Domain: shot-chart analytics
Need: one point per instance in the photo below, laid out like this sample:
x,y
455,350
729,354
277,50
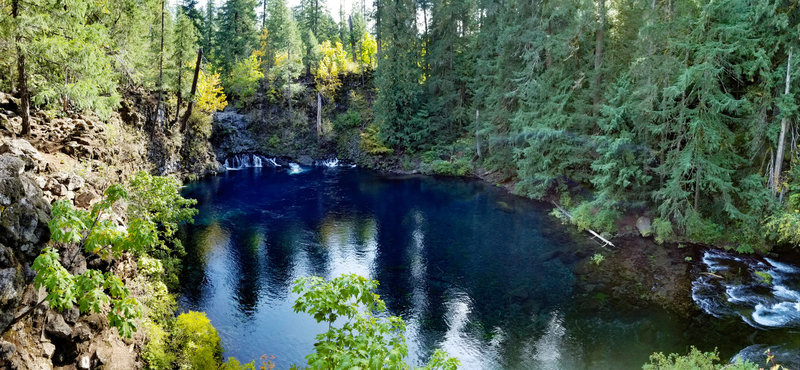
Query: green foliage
x,y
155,202
155,209
597,259
244,78
662,230
362,340
157,353
695,359
371,142
764,277
197,343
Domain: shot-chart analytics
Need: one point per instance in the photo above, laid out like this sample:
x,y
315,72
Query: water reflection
x,y
484,275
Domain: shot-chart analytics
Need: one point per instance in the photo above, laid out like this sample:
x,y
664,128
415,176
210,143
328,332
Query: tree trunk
x,y
697,189
782,137
598,56
22,79
319,116
352,37
194,90
159,111
378,26
477,137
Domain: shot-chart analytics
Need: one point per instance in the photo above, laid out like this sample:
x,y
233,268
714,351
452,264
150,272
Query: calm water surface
x,y
485,275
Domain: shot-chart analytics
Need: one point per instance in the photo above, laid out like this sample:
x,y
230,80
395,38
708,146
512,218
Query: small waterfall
x,y
333,163
272,162
330,163
295,168
763,292
240,161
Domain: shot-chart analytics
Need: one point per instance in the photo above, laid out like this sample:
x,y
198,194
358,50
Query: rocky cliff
x,y
76,157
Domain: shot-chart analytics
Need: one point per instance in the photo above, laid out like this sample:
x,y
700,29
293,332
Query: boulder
x,y
72,181
12,285
81,332
644,226
84,362
48,349
24,150
6,351
305,160
86,199
56,188
57,327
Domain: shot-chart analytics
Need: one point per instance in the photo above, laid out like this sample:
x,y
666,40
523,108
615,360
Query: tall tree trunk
x,y
22,79
352,37
194,90
477,136
378,26
159,107
782,137
697,189
319,116
180,83
264,14
598,56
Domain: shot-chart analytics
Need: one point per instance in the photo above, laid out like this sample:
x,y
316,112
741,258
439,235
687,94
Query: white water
x,y
295,168
240,161
730,286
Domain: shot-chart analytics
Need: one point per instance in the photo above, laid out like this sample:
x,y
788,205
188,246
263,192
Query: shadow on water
x,y
483,274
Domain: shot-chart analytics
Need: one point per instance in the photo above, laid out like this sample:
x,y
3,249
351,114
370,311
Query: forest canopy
x,y
679,110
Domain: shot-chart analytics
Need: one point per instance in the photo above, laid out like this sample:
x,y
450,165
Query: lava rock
x,y
57,327
48,349
24,150
6,351
86,199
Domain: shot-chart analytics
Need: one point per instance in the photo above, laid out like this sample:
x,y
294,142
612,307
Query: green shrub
x,y
694,360
594,216
662,230
157,353
196,342
347,120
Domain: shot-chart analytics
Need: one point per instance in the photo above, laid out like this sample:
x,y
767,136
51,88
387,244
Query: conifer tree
x,y
237,35
397,107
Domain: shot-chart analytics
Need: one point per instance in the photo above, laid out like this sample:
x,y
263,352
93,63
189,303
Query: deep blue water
x,y
485,275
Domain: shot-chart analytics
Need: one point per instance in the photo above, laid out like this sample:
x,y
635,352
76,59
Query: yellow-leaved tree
x,y
334,62
210,96
369,49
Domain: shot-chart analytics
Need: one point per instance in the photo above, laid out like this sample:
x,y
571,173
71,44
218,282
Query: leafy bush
x,y
244,79
662,230
595,216
458,167
93,289
156,200
371,142
362,340
157,352
196,342
695,360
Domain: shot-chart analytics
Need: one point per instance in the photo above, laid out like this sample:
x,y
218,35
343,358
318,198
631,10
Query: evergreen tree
x,y
397,108
209,30
237,35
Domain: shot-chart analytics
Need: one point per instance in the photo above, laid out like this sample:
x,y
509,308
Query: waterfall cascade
x,y
765,293
295,168
240,161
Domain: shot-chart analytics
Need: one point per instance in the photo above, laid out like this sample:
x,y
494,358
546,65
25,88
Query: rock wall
x,y
73,157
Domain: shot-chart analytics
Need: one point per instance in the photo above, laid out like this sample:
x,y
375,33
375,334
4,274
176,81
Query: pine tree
x,y
237,36
397,108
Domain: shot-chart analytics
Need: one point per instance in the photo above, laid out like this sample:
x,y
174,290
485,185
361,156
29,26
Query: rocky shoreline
x,y
73,157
